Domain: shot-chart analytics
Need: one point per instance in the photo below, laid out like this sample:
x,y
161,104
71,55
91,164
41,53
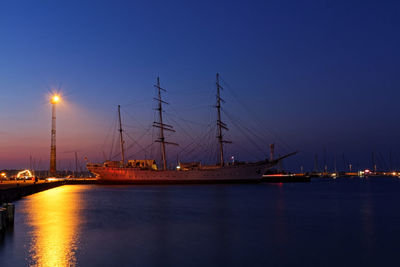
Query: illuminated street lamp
x,y
3,176
55,99
53,168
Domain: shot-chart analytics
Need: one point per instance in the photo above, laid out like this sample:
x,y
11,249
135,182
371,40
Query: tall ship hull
x,y
251,172
146,171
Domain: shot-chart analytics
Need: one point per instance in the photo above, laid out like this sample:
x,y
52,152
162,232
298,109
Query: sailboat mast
x,y
161,125
121,139
220,141
76,164
162,138
220,125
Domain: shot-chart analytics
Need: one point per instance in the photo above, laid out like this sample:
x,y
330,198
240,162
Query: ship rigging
x,y
146,170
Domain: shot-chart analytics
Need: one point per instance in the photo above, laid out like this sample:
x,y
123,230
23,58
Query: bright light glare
x,y
55,99
24,173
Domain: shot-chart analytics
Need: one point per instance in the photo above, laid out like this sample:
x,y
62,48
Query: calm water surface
x,y
342,222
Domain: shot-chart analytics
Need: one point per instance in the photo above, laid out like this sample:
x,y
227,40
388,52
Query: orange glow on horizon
x,y
79,128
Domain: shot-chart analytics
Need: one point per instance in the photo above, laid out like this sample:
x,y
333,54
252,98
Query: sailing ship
x,y
146,171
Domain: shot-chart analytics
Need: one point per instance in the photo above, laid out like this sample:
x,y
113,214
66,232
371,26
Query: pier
x,y
11,191
14,190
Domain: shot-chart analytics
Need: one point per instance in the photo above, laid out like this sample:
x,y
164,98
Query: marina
x,y
199,133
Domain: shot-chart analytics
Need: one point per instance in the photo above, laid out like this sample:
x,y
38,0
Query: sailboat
x,y
145,171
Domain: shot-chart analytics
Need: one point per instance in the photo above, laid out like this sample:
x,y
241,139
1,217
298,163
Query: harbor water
x,y
341,222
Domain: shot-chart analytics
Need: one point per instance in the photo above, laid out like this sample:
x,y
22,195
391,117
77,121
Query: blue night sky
x,y
307,75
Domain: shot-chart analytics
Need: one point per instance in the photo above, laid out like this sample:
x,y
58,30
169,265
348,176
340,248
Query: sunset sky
x,y
307,75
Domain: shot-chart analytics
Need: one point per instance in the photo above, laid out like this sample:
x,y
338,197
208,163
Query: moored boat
x,y
147,171
284,177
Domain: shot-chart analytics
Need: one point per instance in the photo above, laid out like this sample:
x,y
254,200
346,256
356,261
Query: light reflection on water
x,y
54,218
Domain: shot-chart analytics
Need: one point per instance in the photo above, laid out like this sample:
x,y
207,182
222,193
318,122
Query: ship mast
x,y
162,126
121,139
221,125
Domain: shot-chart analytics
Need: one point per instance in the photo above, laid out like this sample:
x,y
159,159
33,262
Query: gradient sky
x,y
319,75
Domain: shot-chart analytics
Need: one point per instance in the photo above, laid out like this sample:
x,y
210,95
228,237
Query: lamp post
x,y
53,168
